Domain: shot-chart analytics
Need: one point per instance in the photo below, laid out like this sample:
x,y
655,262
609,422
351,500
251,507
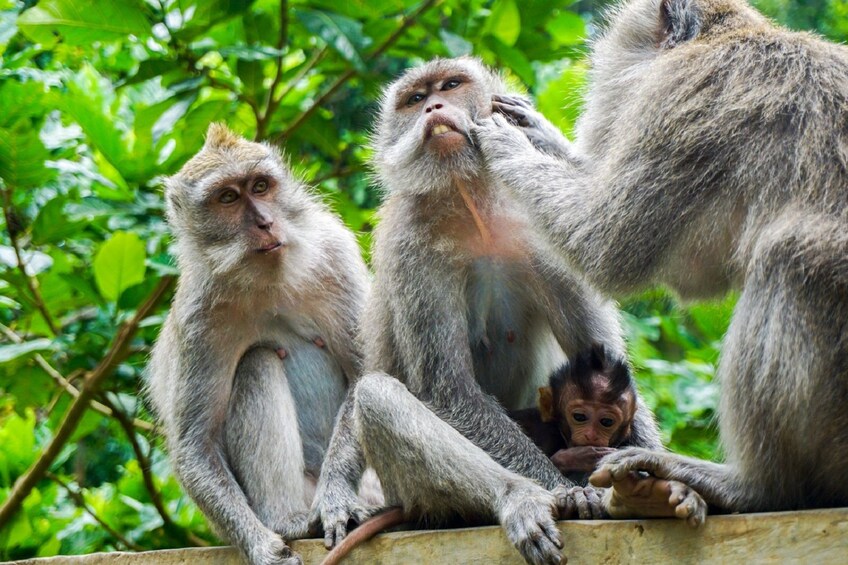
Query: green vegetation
x,y
100,99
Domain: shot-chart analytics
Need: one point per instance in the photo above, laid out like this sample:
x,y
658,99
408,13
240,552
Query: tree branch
x,y
31,281
348,74
116,353
79,500
66,385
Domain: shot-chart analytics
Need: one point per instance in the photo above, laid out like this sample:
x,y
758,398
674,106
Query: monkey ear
x,y
546,404
680,21
219,135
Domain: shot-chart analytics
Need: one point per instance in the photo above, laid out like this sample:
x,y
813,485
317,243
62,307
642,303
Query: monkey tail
x,y
364,532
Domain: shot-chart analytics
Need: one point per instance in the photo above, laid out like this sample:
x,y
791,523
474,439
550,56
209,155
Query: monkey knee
x,y
374,390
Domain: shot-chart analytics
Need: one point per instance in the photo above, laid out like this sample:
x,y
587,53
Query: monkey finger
x,y
515,115
601,478
688,504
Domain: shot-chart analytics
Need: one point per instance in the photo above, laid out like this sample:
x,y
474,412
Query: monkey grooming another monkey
x,y
470,312
713,154
584,413
253,361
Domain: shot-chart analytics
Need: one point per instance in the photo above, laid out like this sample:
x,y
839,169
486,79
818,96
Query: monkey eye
x,y
414,99
579,417
607,422
260,187
228,197
451,84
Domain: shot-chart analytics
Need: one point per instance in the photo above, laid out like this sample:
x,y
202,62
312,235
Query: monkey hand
x,y
581,459
294,526
527,513
332,510
641,486
579,502
542,134
499,141
272,550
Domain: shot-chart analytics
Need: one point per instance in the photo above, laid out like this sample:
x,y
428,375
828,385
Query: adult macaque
x,y
253,361
470,312
586,412
713,154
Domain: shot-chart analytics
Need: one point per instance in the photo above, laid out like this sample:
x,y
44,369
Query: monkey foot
x,y
638,495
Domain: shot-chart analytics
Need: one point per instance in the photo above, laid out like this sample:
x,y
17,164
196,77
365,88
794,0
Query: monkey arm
x,y
336,502
437,366
201,399
545,136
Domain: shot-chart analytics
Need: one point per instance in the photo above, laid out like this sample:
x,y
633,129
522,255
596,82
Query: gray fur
x,y
470,328
713,154
247,431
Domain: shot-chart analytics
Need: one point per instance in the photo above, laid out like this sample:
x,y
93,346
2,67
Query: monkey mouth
x,y
270,247
441,126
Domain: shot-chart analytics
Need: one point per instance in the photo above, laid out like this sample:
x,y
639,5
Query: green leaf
x,y
567,29
561,99
341,33
513,59
16,350
505,22
22,157
119,264
82,22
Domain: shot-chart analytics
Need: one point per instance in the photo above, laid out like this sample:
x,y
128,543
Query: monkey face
x,y
235,205
423,133
593,423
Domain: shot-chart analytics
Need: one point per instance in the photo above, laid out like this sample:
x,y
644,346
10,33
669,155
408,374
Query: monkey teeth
x,y
440,129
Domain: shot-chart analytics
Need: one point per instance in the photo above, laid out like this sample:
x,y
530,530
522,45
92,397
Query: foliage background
x,y
100,99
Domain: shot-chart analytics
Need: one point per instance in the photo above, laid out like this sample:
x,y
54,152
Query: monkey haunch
x,y
264,266
712,154
585,412
470,311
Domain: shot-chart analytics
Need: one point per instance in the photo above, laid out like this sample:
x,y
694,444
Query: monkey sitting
x,y
584,413
253,361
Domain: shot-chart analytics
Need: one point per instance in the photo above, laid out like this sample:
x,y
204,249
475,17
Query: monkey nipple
x,y
319,342
510,336
281,352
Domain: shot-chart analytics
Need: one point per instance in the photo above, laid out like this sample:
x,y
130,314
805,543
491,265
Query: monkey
x,y
254,359
712,154
466,317
585,412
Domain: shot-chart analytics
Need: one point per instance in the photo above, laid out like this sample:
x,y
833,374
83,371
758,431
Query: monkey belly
x,y
318,386
512,346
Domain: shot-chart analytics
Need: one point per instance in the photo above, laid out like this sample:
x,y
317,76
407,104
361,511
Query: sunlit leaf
x,y
16,350
341,33
504,22
22,157
119,264
567,29
81,22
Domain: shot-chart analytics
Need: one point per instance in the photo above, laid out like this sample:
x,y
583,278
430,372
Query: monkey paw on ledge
x,y
809,536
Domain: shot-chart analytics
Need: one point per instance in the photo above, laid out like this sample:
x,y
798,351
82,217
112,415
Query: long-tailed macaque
x,y
713,154
467,316
253,361
586,412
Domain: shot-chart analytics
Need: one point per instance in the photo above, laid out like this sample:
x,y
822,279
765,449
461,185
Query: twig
x,y
348,74
264,118
79,500
31,280
304,70
65,383
116,353
144,463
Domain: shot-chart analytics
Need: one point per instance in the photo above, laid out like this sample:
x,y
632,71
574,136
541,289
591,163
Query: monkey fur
x,y
712,154
264,266
470,311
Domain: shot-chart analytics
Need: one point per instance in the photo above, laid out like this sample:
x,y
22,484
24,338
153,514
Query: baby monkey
x,y
584,413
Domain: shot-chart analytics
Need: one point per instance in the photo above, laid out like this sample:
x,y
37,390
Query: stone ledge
x,y
810,536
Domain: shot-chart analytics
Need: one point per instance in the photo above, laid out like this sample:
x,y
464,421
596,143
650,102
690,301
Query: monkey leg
x,y
784,379
437,474
263,443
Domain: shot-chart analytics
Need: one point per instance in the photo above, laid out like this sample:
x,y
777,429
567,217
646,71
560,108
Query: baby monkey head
x,y
234,206
422,137
592,399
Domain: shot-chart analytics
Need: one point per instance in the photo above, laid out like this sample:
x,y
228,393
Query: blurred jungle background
x,y
100,99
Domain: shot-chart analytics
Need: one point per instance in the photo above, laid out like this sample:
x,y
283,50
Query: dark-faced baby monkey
x,y
584,413
713,154
254,358
469,313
